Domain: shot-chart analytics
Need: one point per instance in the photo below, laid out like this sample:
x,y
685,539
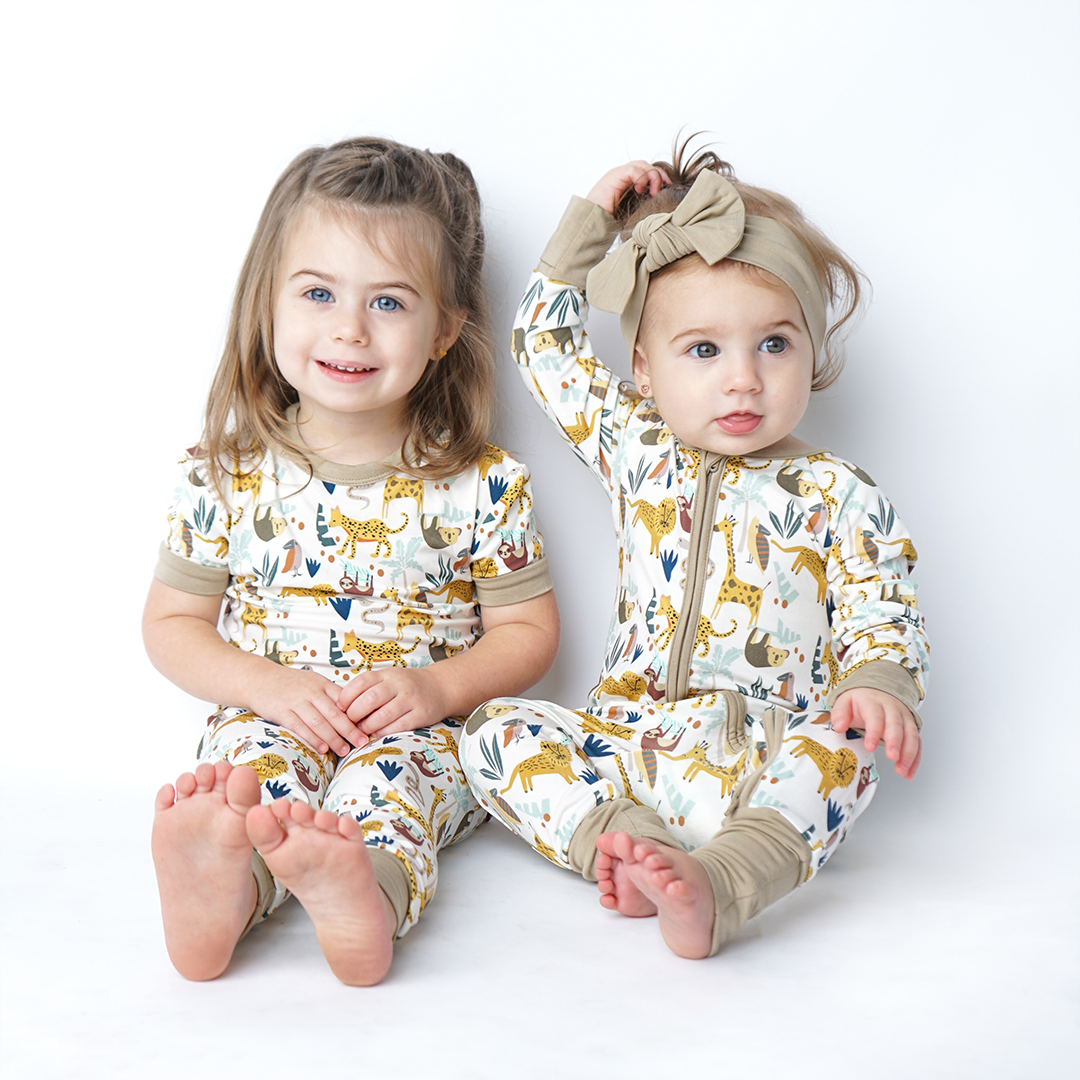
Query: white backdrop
x,y
935,142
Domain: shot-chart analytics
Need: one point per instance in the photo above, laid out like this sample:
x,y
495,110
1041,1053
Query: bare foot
x,y
675,882
322,860
203,861
617,891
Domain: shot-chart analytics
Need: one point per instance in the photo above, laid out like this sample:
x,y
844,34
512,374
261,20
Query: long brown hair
x,y
432,206
841,281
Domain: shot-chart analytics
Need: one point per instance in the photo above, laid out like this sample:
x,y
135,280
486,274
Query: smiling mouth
x,y
345,369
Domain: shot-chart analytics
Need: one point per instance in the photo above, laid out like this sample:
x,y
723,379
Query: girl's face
x,y
353,332
726,356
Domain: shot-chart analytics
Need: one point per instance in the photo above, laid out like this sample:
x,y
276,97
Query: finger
x,y
292,722
892,736
316,729
390,720
370,700
909,754
872,731
353,689
840,717
917,762
340,725
395,727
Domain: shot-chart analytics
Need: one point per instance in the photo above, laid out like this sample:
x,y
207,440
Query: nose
x,y
350,327
741,375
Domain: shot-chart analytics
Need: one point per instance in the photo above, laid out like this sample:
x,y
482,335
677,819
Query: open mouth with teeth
x,y
343,369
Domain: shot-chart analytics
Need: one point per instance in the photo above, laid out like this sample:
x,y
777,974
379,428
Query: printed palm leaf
x,y
532,294
493,757
791,521
595,747
561,305
341,604
668,559
203,520
885,519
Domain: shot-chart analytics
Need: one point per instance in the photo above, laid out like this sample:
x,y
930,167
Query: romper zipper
x,y
697,571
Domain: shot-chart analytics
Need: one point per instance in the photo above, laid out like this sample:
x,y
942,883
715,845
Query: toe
x,y
263,829
349,827
165,798
242,788
205,777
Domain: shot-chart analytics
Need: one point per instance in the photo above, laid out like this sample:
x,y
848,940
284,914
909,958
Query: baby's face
x,y
726,356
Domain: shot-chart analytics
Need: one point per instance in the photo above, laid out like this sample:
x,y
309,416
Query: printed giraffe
x,y
732,589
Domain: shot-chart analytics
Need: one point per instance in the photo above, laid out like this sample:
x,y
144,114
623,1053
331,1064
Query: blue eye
x,y
704,350
387,303
774,345
319,295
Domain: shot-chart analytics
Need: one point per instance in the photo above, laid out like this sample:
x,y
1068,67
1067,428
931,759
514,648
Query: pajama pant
x,y
407,792
701,764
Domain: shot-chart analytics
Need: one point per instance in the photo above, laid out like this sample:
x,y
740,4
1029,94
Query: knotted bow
x,y
710,221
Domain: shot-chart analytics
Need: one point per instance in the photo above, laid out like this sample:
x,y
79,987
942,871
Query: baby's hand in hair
x,y
396,699
639,175
881,718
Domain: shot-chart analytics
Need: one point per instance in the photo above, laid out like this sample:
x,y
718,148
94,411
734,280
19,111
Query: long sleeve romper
x,y
342,569
751,592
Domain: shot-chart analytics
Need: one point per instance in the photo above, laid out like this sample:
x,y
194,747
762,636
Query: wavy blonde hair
x,y
842,283
426,207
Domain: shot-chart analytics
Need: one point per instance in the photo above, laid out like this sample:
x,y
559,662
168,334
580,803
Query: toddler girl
x,y
765,637
345,506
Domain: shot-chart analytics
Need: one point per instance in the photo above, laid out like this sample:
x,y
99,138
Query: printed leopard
x,y
370,531
376,652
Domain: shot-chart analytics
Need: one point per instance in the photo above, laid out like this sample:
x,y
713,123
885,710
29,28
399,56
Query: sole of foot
x,y
675,882
617,891
322,860
202,857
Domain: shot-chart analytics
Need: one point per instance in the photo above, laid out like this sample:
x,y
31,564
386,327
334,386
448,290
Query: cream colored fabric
x,y
711,222
264,885
885,675
615,815
393,879
757,858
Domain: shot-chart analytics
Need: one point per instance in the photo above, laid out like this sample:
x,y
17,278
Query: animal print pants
x,y
407,791
541,769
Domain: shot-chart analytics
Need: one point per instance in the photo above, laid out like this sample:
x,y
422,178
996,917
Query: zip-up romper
x,y
752,591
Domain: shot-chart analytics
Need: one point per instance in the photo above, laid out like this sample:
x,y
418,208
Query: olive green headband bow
x,y
712,222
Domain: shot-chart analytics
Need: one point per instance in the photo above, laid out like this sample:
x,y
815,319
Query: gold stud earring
x,y
440,354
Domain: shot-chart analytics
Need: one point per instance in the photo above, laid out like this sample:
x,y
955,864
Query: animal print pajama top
x,y
752,591
348,568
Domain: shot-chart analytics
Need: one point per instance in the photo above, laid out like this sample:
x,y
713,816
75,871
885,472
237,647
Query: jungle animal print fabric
x,y
751,592
342,569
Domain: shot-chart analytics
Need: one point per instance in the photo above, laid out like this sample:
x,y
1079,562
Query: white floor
x,y
909,955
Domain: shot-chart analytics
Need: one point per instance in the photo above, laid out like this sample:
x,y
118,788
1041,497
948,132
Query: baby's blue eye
x,y
704,350
774,345
319,295
387,303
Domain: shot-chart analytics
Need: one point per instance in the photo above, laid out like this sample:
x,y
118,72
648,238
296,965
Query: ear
x,y
451,328
641,369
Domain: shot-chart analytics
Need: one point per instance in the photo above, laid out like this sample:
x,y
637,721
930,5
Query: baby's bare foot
x,y
203,861
617,891
321,859
676,883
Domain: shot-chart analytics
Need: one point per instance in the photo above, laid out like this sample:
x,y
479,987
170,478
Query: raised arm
x,y
578,393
